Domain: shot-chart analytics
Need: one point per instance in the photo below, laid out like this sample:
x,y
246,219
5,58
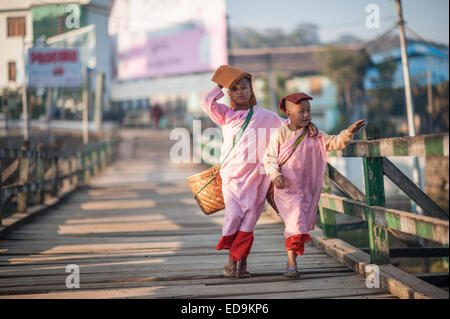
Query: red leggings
x,y
239,244
297,243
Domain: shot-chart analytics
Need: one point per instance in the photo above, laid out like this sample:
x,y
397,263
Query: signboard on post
x,y
54,67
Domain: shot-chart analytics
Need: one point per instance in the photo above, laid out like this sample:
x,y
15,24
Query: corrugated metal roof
x,y
289,61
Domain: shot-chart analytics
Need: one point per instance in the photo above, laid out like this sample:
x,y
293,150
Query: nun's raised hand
x,y
355,127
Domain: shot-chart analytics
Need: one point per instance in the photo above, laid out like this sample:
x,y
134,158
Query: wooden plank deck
x,y
136,232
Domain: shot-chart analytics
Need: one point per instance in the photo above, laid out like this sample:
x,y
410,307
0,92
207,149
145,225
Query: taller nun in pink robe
x,y
244,182
303,175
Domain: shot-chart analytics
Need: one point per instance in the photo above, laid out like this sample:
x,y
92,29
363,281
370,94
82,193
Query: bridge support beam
x,y
327,216
374,185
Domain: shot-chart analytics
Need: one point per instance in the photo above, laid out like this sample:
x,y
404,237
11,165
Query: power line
x,y
425,41
382,37
352,24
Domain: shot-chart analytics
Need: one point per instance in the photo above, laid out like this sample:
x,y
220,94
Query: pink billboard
x,y
178,53
151,39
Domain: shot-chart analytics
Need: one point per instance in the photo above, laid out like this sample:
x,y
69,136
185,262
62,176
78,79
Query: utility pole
x,y
98,117
5,110
406,79
48,109
408,95
430,100
26,121
230,55
272,84
85,106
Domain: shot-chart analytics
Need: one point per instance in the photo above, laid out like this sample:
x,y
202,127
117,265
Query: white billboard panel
x,y
154,38
51,67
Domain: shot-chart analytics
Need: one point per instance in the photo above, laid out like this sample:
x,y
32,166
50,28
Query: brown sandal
x,y
242,273
229,271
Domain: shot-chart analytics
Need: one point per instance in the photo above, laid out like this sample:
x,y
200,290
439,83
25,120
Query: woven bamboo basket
x,y
210,199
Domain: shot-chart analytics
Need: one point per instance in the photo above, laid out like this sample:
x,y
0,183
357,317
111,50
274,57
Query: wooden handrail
x,y
412,190
16,153
354,193
369,206
423,226
87,164
423,145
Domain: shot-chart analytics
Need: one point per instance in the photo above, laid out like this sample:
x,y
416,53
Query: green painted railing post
x,y
104,155
55,184
69,163
40,172
445,259
24,166
80,167
98,157
93,155
86,164
92,162
1,186
374,185
327,216
110,151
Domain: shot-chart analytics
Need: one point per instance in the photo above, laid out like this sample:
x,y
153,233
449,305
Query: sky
x,y
430,18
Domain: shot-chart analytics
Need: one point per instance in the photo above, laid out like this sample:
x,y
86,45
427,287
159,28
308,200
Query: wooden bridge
x,y
122,217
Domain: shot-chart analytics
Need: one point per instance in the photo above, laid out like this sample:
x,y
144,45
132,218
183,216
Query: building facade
x,y
54,23
422,58
16,36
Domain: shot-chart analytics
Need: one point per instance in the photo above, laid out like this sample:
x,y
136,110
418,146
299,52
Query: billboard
x,y
152,38
51,67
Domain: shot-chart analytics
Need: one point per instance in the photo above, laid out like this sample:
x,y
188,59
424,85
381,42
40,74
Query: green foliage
x,y
280,92
347,70
435,118
50,20
382,99
303,34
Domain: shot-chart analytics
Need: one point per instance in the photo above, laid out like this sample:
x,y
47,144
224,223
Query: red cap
x,y
296,98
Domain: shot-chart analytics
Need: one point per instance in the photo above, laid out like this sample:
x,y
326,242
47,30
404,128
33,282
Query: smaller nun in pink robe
x,y
244,182
303,175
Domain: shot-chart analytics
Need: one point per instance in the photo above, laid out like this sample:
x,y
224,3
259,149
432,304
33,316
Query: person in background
x,y
156,114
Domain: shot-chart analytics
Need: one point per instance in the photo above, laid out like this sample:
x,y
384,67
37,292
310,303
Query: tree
x,y
348,38
347,70
305,34
280,92
383,98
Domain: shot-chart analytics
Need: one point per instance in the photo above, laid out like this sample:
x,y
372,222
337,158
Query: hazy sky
x,y
429,18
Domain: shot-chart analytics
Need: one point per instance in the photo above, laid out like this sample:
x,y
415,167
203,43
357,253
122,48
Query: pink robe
x,y
244,181
303,176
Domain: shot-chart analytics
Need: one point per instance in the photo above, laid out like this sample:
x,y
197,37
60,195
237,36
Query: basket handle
x,y
236,139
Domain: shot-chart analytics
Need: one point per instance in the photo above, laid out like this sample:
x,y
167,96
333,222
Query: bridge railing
x,y
432,225
28,174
